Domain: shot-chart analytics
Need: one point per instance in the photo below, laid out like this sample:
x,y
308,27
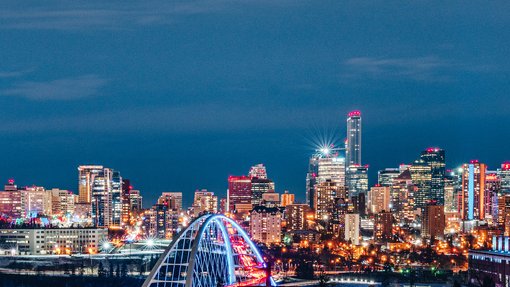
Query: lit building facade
x,y
435,158
86,175
353,145
386,176
204,202
352,225
239,192
266,225
171,199
356,179
297,216
383,226
379,199
421,174
62,202
287,198
433,222
260,186
472,205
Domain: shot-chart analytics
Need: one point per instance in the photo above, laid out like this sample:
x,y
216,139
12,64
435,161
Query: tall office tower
x,y
126,200
353,146
435,157
102,197
356,179
332,169
385,177
352,228
204,202
421,174
383,225
311,180
473,191
171,199
326,192
402,197
86,175
36,200
62,202
433,223
11,200
239,193
504,175
338,216
258,171
287,198
379,199
266,224
259,186
492,190
296,216
135,201
116,199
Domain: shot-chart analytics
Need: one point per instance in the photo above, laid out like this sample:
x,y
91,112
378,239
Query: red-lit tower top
x,y
355,113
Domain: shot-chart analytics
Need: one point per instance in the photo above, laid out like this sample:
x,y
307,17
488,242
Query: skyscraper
x,y
504,175
239,192
353,146
356,178
258,171
86,175
435,157
379,199
385,177
287,198
421,174
433,224
204,202
473,191
259,186
311,180
171,199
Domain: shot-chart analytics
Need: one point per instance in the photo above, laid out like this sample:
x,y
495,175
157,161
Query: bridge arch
x,y
212,251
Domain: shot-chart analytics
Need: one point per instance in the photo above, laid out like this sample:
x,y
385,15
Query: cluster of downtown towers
x,y
337,184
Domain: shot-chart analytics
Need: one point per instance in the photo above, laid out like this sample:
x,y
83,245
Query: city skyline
x,y
183,84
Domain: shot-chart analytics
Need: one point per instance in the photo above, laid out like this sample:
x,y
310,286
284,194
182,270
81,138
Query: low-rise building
x,y
53,240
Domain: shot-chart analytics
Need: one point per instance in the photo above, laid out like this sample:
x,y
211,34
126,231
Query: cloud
x,y
61,89
420,69
14,74
112,15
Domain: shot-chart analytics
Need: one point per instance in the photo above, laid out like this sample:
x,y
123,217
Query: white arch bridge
x,y
212,251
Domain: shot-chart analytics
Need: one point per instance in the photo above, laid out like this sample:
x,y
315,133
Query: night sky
x,y
179,95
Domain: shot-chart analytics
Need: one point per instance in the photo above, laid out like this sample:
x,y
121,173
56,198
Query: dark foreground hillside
x,y
20,280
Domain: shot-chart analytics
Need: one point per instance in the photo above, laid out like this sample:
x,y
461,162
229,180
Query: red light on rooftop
x,y
354,114
505,166
474,161
11,181
130,187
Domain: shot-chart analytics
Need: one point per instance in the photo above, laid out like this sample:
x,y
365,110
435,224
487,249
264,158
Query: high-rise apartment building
x,y
433,222
325,195
204,202
472,205
402,197
352,226
239,193
86,175
353,145
383,225
379,199
266,224
62,202
171,199
435,157
297,216
36,200
135,201
106,198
